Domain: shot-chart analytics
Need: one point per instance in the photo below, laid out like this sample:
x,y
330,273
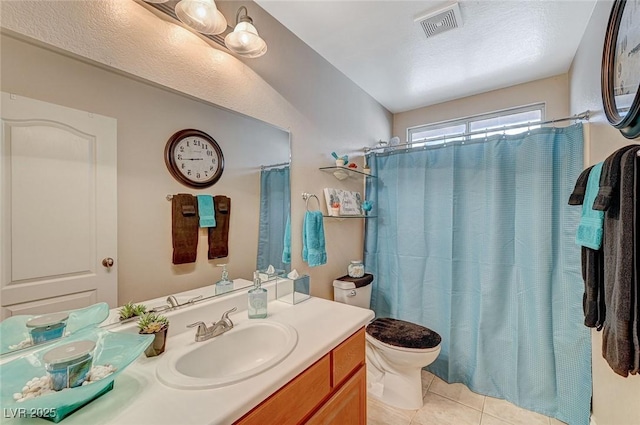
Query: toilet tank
x,y
347,293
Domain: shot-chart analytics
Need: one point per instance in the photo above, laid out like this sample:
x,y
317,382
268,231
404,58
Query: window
x,y
483,125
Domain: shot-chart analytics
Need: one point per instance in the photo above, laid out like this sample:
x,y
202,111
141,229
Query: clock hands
x,y
634,50
192,159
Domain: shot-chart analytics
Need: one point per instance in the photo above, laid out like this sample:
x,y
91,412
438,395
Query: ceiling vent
x,y
441,20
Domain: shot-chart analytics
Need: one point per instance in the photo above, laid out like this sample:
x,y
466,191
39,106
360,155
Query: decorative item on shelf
x,y
350,202
352,165
335,209
367,206
156,325
365,167
621,68
130,310
341,161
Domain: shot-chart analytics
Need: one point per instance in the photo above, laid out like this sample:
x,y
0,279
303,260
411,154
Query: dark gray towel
x,y
184,228
592,267
609,179
636,269
577,196
593,299
219,235
619,259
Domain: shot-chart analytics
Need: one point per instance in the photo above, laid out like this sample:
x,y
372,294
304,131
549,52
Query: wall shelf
x,y
349,216
342,173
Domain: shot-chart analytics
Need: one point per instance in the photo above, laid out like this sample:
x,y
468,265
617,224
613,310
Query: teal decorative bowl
x,y
114,348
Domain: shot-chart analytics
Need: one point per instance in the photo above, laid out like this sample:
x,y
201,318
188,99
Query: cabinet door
x,y
295,400
348,406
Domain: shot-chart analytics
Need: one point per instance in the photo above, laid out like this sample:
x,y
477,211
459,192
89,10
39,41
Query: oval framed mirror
x,y
621,68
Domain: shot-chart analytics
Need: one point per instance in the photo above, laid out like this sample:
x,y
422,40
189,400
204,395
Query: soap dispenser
x,y
224,284
257,299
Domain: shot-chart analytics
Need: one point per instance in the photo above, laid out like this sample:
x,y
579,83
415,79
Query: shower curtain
x,y
476,242
275,199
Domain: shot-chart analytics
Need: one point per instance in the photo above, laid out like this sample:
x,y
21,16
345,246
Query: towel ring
x,y
306,196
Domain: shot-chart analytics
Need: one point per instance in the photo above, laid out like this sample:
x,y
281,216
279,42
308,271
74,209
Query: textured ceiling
x,y
378,45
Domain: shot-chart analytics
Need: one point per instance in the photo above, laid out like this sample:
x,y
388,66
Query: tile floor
x,y
454,404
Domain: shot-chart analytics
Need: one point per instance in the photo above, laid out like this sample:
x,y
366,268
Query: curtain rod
x,y
262,167
577,117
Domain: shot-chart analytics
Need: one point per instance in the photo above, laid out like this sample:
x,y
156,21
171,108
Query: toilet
x,y
396,350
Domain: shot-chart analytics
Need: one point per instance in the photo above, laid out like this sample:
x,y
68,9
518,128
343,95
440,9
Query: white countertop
x,y
139,398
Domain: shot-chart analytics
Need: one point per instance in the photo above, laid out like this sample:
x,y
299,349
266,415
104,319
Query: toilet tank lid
x,y
348,282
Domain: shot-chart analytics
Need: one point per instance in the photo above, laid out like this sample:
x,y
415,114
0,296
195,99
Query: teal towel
x,y
206,211
591,225
313,250
286,251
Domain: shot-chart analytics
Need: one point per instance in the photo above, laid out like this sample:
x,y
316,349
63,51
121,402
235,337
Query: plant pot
x,y
157,346
335,211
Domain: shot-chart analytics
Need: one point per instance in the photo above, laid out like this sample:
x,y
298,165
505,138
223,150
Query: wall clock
x,y
194,158
621,68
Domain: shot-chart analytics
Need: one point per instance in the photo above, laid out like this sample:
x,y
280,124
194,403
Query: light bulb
x,y
201,15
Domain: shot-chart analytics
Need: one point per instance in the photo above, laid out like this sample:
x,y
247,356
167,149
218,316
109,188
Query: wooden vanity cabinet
x,y
332,391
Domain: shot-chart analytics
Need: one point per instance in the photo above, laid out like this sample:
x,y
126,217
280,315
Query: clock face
x,y
194,158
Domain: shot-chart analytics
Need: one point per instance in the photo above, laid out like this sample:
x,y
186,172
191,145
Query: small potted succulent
x,y
157,325
335,208
130,310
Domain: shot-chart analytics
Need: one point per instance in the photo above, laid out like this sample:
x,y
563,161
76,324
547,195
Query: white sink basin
x,y
248,349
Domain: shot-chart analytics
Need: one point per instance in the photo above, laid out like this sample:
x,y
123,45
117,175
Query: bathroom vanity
x,y
320,381
334,391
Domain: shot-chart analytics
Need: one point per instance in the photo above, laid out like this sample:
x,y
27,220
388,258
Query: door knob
x,y
107,262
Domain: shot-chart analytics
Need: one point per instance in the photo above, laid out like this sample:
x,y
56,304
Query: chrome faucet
x,y
218,328
173,302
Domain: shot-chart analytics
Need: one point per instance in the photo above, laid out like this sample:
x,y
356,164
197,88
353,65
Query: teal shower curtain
x,y
476,242
275,200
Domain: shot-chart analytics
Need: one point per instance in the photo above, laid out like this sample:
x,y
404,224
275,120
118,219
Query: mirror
x,y
255,153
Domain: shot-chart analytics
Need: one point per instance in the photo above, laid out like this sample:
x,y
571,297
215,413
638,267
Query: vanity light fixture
x,y
244,40
201,15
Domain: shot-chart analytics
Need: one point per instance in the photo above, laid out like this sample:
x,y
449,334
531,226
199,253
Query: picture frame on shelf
x,y
350,202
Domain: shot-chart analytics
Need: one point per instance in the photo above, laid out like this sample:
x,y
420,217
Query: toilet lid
x,y
403,334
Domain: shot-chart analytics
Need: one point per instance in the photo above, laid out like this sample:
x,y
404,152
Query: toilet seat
x,y
401,335
382,345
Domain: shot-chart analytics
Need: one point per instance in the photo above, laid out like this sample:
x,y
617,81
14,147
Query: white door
x,y
58,217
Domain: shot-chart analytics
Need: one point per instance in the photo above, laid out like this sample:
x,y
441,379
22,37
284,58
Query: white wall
x,y
553,91
291,87
615,399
